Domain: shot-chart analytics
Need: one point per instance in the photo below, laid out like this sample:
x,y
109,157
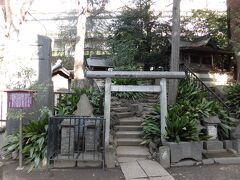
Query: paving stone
x,y
152,168
208,161
132,151
162,178
228,160
129,159
132,170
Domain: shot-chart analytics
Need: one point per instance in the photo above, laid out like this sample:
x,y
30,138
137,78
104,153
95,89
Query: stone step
x,y
148,104
129,141
150,109
120,109
129,134
130,121
132,151
129,159
152,100
128,128
124,114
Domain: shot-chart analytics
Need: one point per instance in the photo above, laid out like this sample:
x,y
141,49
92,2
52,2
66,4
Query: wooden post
x,y
163,106
107,105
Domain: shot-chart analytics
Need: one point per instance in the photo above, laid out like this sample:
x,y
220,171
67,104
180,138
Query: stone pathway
x,y
144,170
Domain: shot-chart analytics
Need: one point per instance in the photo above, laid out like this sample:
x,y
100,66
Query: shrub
x,y
233,98
34,142
151,128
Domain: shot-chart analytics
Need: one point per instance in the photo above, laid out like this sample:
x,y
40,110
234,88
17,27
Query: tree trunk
x,y
79,48
234,14
174,64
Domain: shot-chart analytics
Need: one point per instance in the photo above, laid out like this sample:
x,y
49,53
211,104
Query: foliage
x,y
125,81
138,37
150,125
68,103
192,105
233,98
34,142
181,124
206,22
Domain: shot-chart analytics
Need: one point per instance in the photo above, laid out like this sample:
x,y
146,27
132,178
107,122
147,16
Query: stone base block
x,y
185,150
110,157
236,145
227,144
89,164
164,156
64,163
213,145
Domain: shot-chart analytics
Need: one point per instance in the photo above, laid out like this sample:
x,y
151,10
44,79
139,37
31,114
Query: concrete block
x,y
1,171
164,156
227,144
208,161
89,164
110,157
183,150
236,145
213,145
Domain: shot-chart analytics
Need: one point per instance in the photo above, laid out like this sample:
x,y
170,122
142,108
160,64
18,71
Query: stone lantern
x,y
211,123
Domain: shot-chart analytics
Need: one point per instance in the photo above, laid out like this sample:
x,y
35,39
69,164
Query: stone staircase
x,y
128,129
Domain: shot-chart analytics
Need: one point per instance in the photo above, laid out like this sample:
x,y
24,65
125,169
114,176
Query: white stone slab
x,y
162,178
152,168
132,170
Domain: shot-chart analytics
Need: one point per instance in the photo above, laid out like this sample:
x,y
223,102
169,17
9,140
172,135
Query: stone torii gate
x,y
161,88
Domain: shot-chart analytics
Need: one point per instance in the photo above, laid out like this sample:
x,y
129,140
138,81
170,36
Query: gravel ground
x,y
206,172
10,173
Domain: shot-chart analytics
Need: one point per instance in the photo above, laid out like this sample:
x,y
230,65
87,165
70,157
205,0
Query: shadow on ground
x,y
10,173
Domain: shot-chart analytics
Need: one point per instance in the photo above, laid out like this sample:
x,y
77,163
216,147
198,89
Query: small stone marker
x,y
84,107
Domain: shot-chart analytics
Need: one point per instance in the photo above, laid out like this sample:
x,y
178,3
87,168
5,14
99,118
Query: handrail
x,y
203,85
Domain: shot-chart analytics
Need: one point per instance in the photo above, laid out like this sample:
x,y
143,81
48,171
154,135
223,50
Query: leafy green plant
x,y
233,98
181,124
34,142
196,102
151,128
68,103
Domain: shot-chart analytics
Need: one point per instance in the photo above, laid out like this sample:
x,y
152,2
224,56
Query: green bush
x,y
34,142
151,128
233,98
181,125
183,122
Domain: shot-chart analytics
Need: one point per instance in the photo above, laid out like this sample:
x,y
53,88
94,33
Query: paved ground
x,y
10,173
206,172
144,170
